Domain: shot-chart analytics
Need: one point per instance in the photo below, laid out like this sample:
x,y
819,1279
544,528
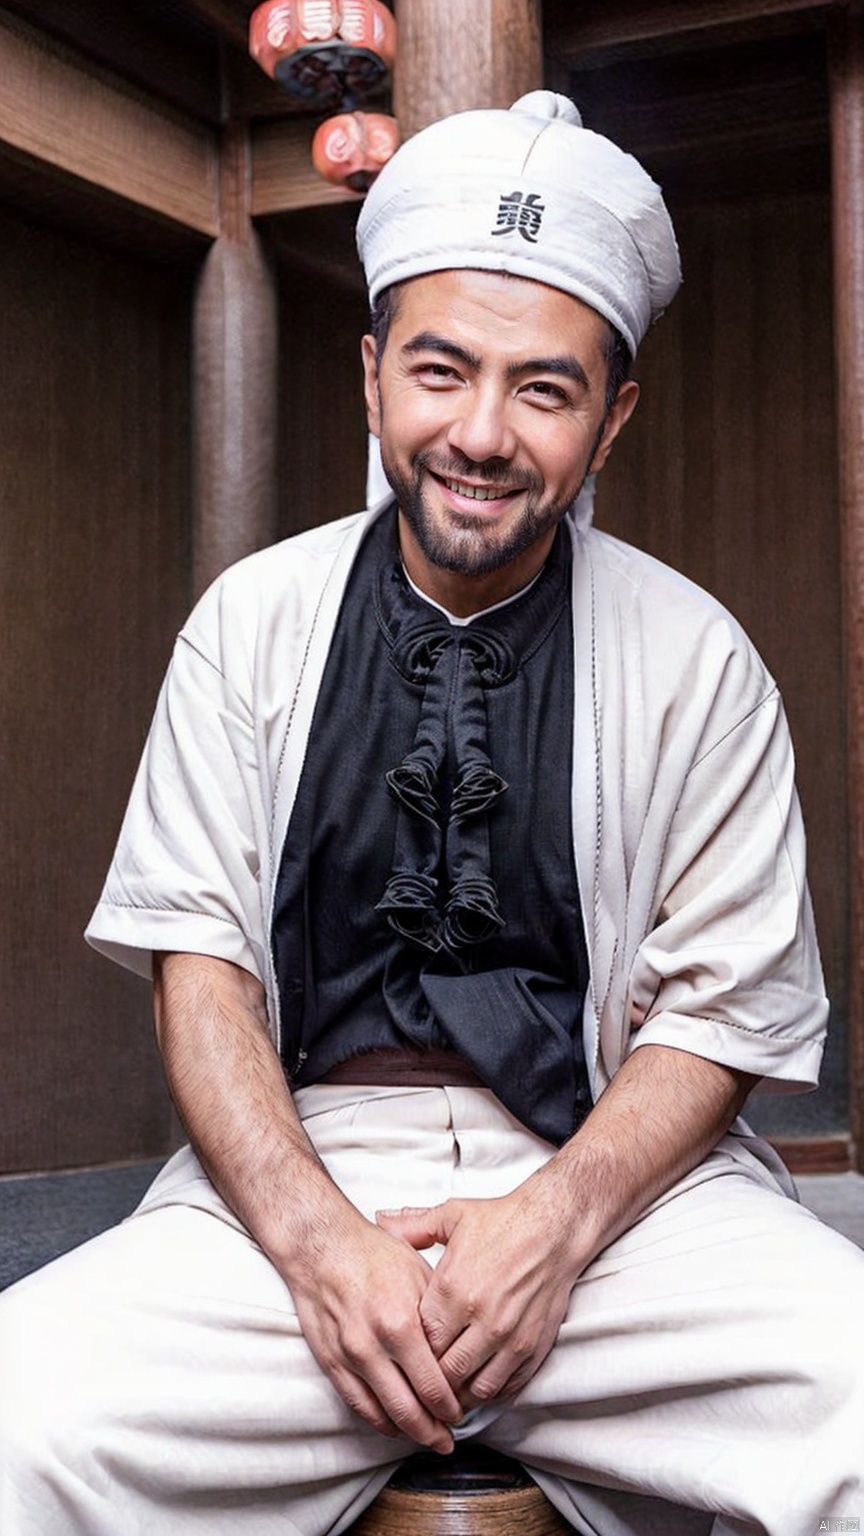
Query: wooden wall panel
x,y
94,566
322,433
735,437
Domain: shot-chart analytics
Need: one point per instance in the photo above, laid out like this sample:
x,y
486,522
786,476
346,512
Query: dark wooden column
x,y
847,125
452,57
235,349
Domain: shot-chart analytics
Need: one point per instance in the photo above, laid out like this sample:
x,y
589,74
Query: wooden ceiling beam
x,y
66,116
571,32
171,56
227,17
283,178
57,111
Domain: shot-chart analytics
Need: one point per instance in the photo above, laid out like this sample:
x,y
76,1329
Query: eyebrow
x,y
566,366
428,341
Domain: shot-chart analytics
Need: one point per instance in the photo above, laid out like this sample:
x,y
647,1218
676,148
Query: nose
x,y
481,427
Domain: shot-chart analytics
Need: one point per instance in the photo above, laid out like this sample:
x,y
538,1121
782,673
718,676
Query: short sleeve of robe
x,y
186,872
193,867
714,949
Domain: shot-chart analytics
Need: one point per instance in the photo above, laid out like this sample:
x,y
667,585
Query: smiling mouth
x,y
476,492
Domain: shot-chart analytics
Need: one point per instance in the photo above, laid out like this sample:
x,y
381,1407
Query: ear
x,y
369,354
622,409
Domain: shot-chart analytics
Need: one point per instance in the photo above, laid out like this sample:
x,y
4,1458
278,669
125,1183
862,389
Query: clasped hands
x,y
410,1347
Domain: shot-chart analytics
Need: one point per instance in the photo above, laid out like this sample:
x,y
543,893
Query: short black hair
x,y
618,354
620,360
383,312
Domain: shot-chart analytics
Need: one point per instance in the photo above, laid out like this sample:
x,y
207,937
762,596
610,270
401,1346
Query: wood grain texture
x,y
57,109
283,177
94,501
728,472
516,1512
452,57
322,447
573,31
235,382
816,1154
847,124
168,53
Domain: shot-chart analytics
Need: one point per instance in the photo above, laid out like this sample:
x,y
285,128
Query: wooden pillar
x,y
847,129
454,56
235,383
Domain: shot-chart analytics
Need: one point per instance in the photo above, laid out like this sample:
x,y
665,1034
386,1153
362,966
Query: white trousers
x,y
155,1381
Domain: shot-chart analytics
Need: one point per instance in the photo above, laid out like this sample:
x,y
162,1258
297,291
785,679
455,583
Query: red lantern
x,y
325,53
351,149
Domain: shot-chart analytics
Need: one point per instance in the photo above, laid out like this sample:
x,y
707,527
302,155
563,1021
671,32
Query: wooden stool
x,y
473,1492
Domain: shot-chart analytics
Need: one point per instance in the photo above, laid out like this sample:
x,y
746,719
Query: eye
x,y
434,372
544,392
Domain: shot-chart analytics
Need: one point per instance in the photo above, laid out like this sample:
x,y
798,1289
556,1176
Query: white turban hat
x,y
528,191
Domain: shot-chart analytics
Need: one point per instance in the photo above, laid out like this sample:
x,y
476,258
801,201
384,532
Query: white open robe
x,y
687,832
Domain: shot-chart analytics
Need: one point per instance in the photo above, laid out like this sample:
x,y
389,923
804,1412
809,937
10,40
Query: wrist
x,y
567,1193
310,1216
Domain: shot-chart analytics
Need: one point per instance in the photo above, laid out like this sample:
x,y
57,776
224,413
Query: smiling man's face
x,y
490,405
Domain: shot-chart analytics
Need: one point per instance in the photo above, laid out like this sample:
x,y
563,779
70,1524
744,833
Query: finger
x,y
481,1361
470,1357
504,1374
395,1360
495,1379
379,1391
443,1333
411,1353
404,1411
421,1227
446,1316
433,1388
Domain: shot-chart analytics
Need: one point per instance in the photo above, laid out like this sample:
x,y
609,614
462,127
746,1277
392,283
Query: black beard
x,y
463,545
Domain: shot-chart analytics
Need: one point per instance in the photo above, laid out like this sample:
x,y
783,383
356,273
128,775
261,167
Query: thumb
x,y
421,1226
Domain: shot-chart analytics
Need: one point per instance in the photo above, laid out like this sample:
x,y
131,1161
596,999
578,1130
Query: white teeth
x,y
475,492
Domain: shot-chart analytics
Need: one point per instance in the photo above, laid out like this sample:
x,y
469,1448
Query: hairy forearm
x,y
357,1291
227,1083
664,1111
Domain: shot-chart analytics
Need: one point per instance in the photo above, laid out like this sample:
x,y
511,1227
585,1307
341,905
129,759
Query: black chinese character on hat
x,y
522,213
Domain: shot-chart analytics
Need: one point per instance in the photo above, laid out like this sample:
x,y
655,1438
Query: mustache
x,y
490,471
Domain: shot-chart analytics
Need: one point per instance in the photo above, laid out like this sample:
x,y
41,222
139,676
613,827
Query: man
x,y
468,852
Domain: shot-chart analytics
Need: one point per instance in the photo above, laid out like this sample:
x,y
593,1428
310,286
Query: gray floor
x,y
838,1198
43,1215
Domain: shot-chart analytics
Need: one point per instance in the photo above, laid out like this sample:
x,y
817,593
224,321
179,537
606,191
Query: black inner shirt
x,y
427,893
